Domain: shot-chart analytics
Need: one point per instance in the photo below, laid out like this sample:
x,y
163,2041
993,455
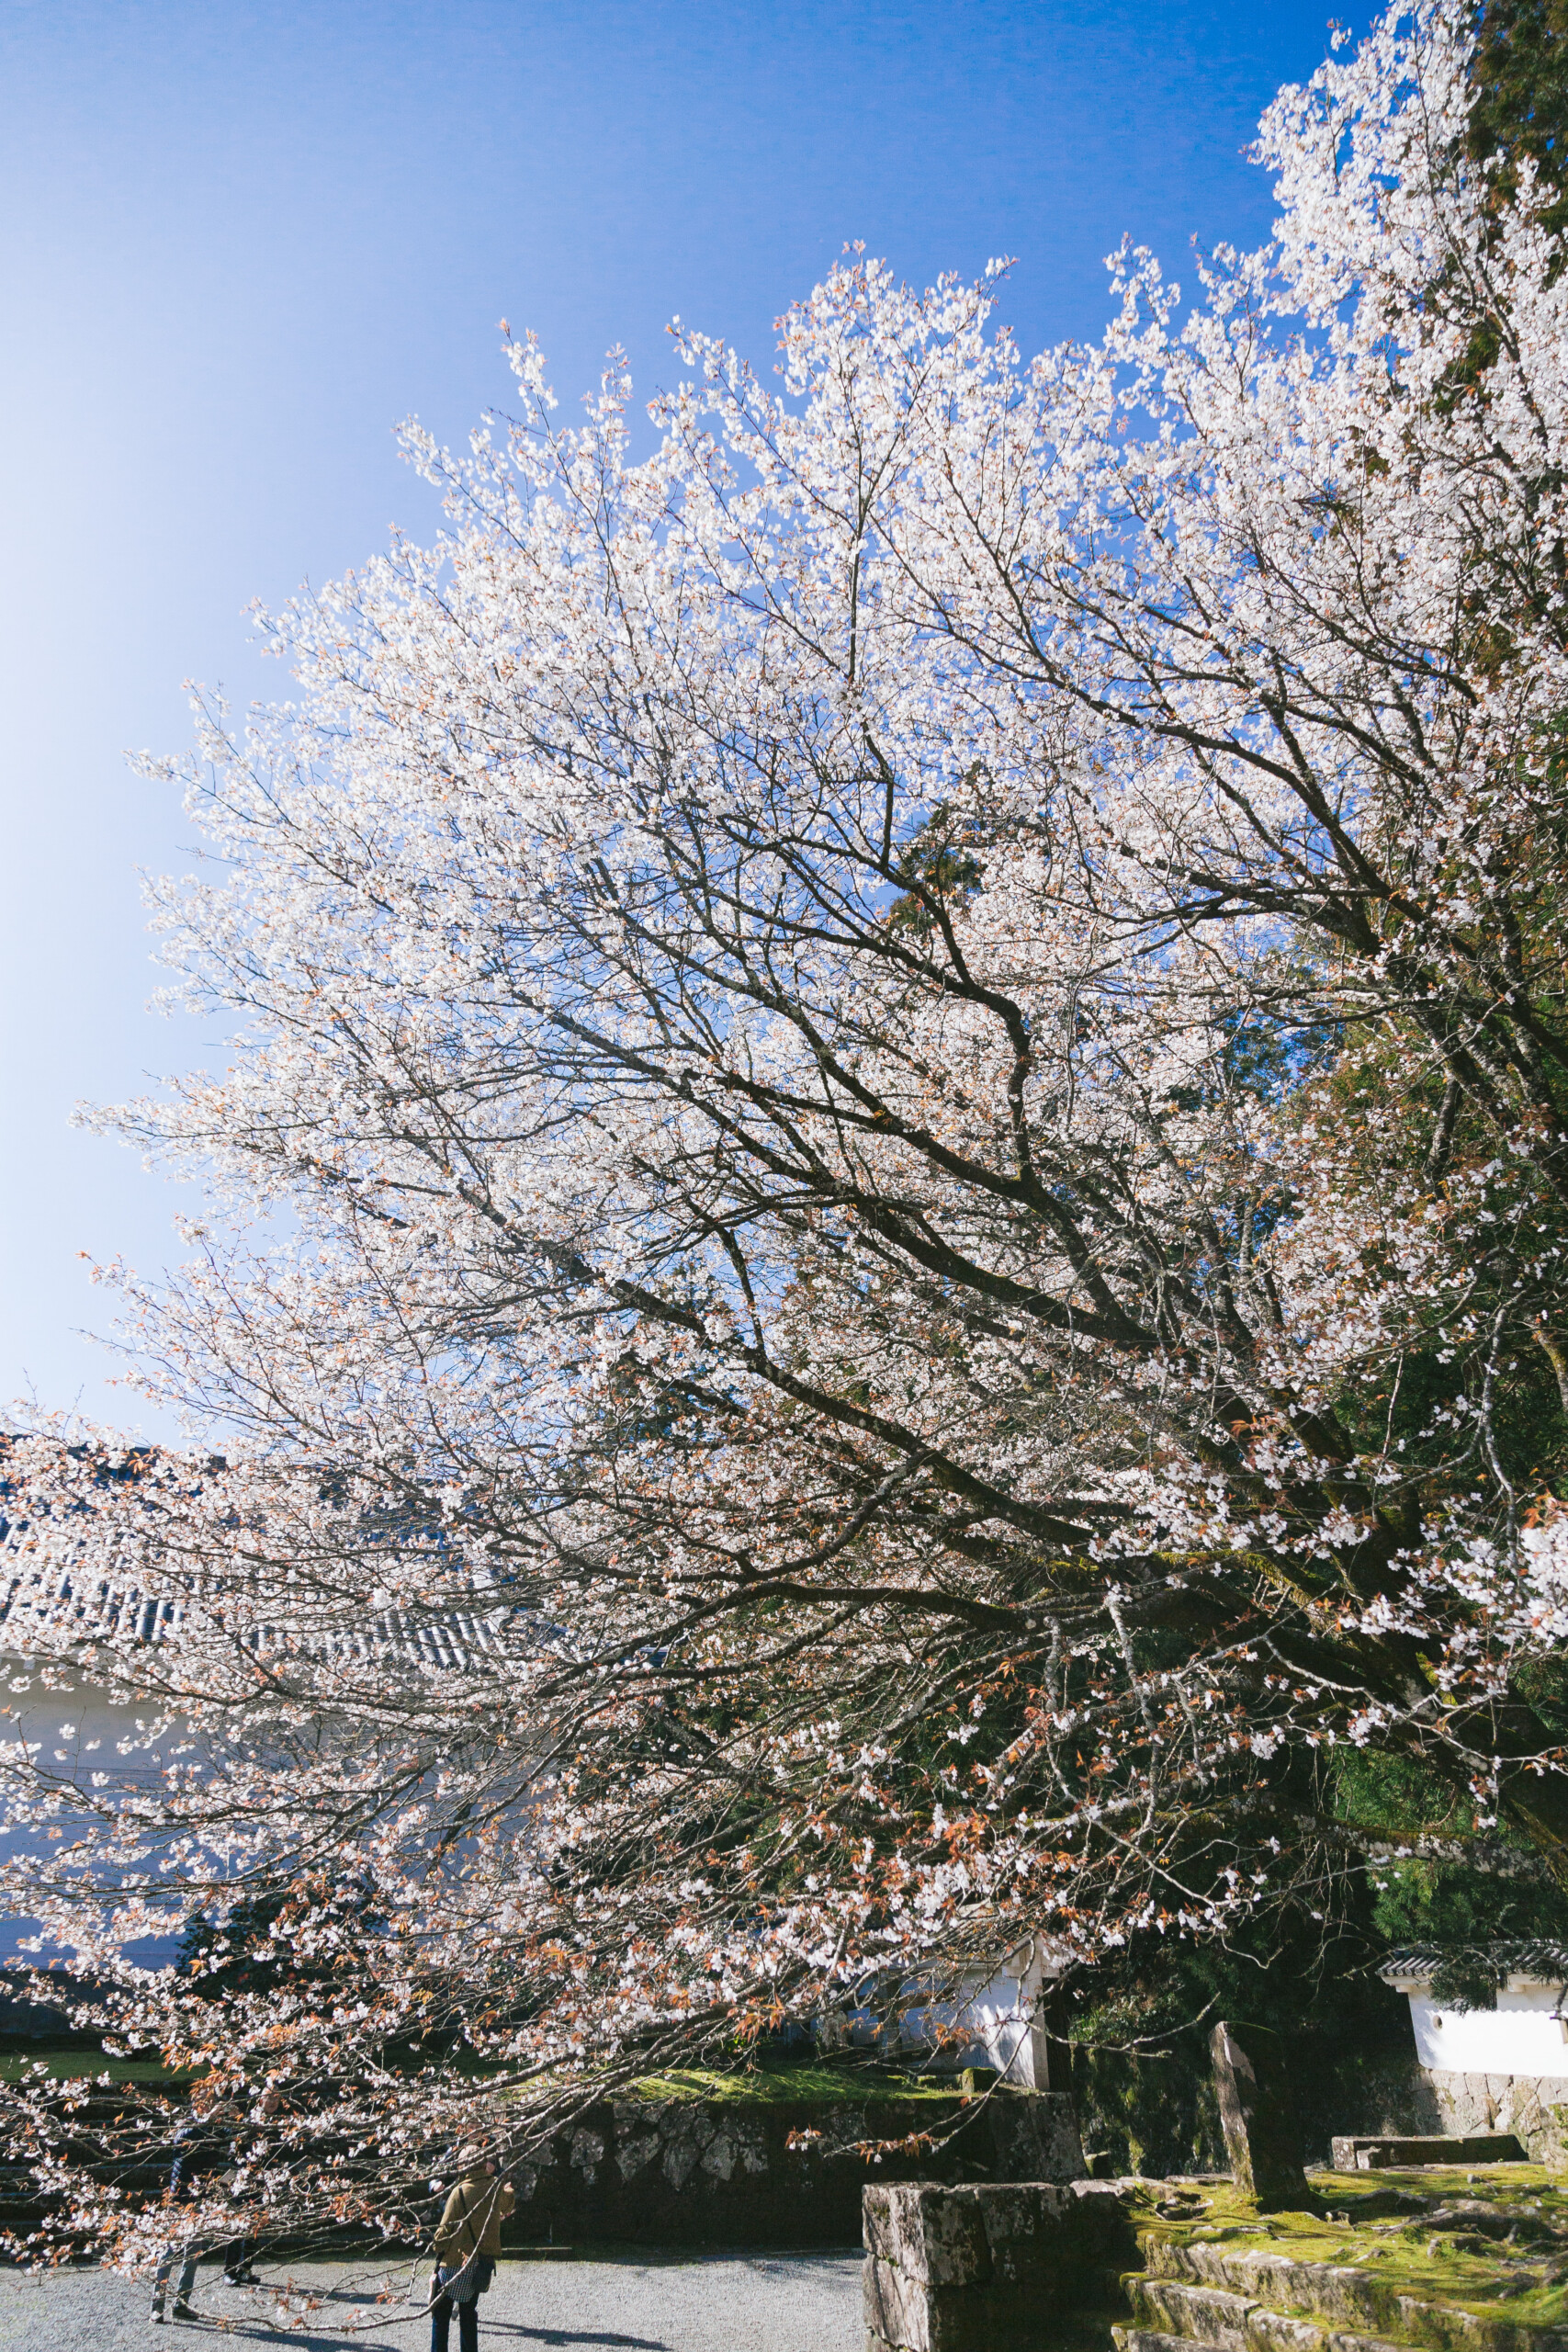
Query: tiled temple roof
x,y
92,1610
1545,1960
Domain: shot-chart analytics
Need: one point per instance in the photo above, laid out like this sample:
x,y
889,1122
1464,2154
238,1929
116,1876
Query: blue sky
x,y
241,242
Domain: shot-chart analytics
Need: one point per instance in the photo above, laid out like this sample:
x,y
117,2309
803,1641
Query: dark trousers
x,y
468,2317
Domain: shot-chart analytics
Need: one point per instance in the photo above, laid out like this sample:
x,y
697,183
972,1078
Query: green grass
x,y
71,2066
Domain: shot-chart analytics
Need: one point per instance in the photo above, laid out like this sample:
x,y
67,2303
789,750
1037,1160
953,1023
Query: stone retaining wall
x,y
719,2172
714,2172
1159,2114
1533,2106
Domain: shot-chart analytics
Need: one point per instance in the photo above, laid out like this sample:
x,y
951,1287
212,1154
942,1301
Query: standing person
x,y
202,2146
239,2257
467,2243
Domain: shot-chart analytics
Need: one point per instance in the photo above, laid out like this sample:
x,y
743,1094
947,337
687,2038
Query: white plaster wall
x,y
990,2024
78,1731
1521,2036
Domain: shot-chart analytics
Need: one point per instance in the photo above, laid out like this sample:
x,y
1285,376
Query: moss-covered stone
x,y
1431,2260
1450,2259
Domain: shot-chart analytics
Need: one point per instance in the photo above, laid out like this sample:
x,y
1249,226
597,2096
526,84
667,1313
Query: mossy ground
x,y
1357,2225
770,2084
793,2085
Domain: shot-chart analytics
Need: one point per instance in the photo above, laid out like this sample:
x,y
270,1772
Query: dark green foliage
x,y
1424,1902
1529,1425
1285,1970
1468,1911
1521,76
1138,2057
234,1952
247,1947
940,867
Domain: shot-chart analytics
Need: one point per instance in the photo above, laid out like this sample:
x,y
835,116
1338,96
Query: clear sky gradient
x,y
241,242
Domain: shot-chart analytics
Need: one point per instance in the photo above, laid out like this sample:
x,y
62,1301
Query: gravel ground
x,y
608,2303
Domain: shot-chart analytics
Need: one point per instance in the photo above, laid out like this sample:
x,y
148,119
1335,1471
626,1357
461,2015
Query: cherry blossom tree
x,y
885,1231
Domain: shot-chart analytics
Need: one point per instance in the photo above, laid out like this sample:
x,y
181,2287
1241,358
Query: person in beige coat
x,y
467,2240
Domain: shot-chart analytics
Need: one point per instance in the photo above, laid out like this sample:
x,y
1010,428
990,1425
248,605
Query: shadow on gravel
x,y
590,2337
627,2300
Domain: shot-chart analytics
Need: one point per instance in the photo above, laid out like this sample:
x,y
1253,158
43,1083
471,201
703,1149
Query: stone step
x,y
1215,2316
1154,2339
1148,2339
1269,2331
1355,2301
1199,2315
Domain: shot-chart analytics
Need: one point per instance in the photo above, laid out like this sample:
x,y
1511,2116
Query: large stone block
x,y
969,2269
935,2237
1036,2137
898,2308
1101,2223
1257,2111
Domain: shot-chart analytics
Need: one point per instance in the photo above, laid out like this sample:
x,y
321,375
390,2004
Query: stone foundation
x,y
974,2269
1386,2154
1533,2106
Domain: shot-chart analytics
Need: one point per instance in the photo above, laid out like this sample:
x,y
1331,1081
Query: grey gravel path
x,y
609,2303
